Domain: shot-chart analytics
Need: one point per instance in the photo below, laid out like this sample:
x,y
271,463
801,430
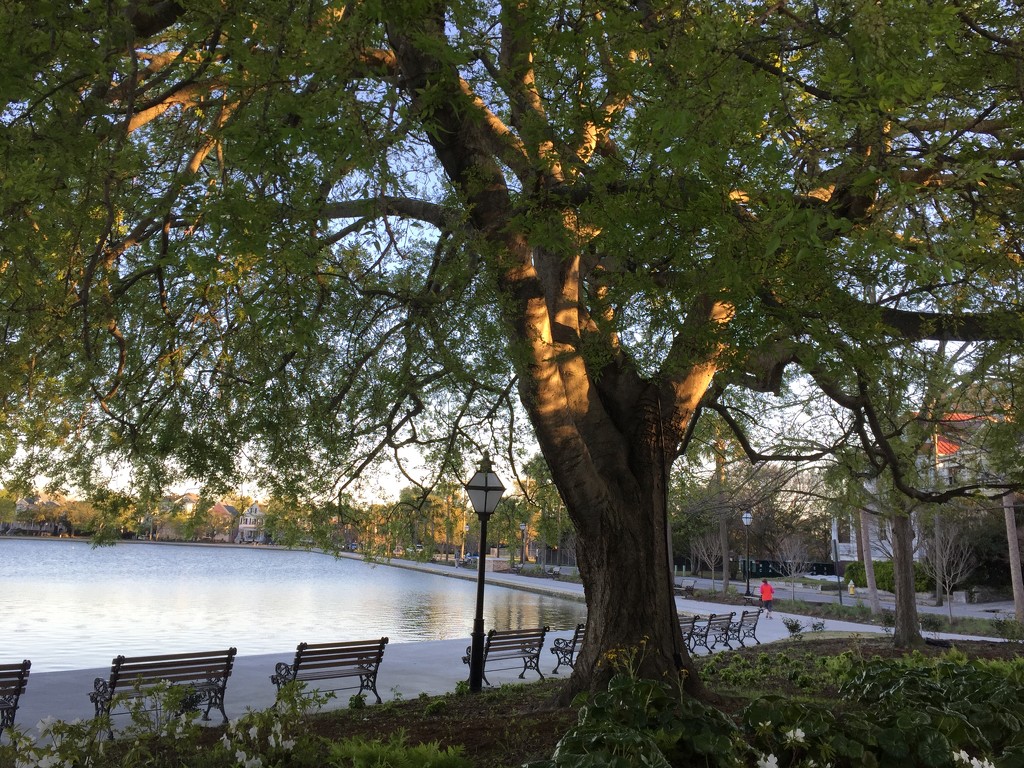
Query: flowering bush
x,y
159,735
912,713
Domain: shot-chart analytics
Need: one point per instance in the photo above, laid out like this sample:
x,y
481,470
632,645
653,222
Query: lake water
x,y
67,605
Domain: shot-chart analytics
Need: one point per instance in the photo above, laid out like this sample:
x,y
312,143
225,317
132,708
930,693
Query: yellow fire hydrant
x,y
852,589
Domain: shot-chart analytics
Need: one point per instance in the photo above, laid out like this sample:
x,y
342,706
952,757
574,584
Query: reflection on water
x,y
66,605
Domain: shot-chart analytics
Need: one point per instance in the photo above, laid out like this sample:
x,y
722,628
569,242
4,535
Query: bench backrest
x,y
309,656
718,620
577,636
13,679
749,617
174,668
515,639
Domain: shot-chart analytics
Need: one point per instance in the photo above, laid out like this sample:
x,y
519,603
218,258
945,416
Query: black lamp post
x,y
522,558
747,520
485,491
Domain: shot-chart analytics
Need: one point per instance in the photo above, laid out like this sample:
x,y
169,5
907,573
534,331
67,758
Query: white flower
x,y
45,724
288,744
768,761
254,732
962,757
796,735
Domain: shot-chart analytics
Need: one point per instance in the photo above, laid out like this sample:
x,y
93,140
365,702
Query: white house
x,y
250,526
950,455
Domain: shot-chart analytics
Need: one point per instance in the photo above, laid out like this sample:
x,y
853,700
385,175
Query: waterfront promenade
x,y
409,669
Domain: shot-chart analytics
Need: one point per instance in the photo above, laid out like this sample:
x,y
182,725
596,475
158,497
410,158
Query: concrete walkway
x,y
408,669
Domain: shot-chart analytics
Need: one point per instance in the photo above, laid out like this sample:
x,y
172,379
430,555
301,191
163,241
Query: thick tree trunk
x,y
908,631
1013,544
624,559
864,525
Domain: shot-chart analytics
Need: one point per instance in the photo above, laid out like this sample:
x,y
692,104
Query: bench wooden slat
x,y
204,673
340,656
173,657
150,670
334,661
13,681
307,675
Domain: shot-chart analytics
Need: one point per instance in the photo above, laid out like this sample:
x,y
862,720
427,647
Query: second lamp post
x,y
485,491
747,520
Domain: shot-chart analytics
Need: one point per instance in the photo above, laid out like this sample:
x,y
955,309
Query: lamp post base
x,y
476,657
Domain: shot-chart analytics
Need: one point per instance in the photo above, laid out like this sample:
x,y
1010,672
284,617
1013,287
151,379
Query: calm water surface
x,y
66,605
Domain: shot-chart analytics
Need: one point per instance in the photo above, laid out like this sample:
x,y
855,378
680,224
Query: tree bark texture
x,y
1013,544
907,632
864,526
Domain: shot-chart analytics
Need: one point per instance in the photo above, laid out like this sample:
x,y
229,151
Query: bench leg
x,y
101,698
369,683
215,698
532,662
563,656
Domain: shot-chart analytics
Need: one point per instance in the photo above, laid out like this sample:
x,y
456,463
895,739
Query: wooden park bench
x,y
714,630
358,659
519,645
565,650
13,679
685,587
204,676
745,627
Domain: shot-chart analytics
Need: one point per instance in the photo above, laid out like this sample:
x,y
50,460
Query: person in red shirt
x,y
767,595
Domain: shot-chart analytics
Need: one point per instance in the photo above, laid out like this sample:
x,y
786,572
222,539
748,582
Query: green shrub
x,y
884,578
795,627
395,753
646,723
908,713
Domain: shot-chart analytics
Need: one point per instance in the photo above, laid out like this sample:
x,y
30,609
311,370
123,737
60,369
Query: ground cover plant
x,y
820,700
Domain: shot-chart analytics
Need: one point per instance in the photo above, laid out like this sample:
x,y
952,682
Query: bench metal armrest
x,y
283,673
101,695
